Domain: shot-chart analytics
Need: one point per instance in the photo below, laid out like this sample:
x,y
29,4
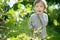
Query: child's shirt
x,y
35,23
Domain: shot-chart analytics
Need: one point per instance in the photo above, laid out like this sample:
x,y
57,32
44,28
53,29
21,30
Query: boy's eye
x,y
41,6
37,6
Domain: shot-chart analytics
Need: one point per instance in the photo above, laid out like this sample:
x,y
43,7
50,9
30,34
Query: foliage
x,y
16,20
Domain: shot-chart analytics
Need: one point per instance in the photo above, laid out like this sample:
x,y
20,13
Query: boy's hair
x,y
44,2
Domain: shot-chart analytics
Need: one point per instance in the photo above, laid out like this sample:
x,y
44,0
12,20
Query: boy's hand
x,y
32,29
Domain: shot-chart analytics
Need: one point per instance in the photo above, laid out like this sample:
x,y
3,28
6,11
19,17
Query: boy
x,y
38,21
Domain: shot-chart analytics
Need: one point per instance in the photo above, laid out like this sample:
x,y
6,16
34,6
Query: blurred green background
x,y
14,17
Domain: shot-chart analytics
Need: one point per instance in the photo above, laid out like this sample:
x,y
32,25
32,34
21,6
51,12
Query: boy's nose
x,y
39,7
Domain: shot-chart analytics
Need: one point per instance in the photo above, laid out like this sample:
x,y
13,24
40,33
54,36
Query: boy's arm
x,y
46,20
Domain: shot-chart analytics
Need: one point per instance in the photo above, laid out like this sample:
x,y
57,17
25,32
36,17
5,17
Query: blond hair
x,y
44,2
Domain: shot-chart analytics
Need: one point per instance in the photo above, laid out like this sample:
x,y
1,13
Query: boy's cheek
x,y
36,9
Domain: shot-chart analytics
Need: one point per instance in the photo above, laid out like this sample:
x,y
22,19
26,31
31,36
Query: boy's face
x,y
39,7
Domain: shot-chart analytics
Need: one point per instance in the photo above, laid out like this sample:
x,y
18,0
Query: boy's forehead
x,y
39,3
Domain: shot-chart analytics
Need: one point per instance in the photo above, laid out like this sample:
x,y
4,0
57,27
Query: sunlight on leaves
x,y
19,5
51,36
11,11
22,36
20,0
55,22
51,10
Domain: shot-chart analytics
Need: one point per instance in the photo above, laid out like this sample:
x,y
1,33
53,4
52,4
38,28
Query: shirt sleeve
x,y
46,20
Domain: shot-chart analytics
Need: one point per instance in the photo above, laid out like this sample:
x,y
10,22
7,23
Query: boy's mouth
x,y
39,11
